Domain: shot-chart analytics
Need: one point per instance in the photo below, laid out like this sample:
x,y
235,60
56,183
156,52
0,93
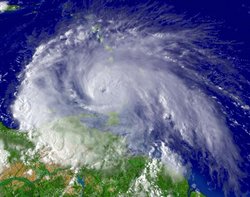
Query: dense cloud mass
x,y
102,65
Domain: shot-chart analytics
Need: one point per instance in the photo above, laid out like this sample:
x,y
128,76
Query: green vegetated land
x,y
27,175
12,7
8,8
113,119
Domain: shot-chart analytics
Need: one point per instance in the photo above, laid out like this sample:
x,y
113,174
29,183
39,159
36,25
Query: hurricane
x,y
142,65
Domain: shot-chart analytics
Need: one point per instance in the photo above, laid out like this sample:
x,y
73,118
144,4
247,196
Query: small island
x,y
5,7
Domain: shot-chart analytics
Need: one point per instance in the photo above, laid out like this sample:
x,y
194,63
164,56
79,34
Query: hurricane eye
x,y
124,84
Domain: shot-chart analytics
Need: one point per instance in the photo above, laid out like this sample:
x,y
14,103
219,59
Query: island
x,y
5,7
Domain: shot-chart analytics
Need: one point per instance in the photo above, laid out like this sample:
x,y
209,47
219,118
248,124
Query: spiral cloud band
x,y
103,66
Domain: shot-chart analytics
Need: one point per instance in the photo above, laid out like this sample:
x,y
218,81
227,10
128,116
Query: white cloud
x,y
72,75
3,157
3,6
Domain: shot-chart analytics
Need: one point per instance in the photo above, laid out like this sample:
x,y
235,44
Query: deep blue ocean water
x,y
22,31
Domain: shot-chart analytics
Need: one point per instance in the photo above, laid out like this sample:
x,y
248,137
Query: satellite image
x,y
124,98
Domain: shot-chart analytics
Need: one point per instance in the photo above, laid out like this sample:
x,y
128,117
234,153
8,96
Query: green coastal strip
x,y
14,142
